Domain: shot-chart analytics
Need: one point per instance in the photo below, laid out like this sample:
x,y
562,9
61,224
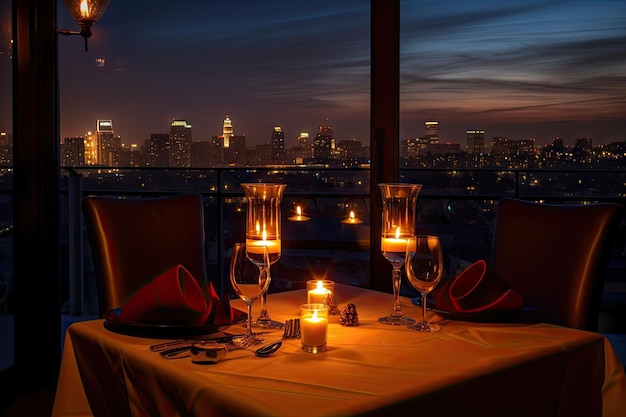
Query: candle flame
x,y
84,9
257,227
299,211
398,233
352,215
320,285
314,314
264,235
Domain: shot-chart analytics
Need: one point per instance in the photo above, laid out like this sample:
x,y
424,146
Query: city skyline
x,y
517,69
291,138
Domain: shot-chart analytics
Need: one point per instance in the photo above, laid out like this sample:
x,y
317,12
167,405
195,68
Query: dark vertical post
x,y
76,287
36,262
384,123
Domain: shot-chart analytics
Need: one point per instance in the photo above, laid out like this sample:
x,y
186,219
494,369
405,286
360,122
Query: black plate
x,y
114,323
526,314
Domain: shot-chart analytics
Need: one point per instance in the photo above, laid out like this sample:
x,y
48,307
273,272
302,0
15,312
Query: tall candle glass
x,y
398,226
263,229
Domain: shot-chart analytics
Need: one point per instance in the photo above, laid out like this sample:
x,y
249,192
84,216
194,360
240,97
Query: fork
x,y
292,329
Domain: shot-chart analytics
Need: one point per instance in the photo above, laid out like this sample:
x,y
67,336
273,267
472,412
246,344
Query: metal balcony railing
x,y
458,205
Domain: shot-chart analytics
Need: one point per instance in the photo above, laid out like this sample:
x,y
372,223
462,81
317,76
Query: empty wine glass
x,y
424,267
246,281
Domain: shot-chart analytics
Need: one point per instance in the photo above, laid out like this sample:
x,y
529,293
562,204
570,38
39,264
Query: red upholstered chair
x,y
134,240
556,256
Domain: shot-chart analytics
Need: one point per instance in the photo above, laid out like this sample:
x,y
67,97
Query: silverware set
x,y
181,348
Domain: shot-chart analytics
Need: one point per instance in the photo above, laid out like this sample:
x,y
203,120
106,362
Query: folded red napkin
x,y
476,289
175,296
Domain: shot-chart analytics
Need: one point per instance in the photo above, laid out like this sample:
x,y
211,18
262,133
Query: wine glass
x,y
424,267
246,281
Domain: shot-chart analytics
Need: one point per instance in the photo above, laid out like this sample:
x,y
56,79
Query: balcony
x,y
458,205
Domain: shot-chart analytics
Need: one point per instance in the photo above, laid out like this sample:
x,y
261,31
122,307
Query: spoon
x,y
267,350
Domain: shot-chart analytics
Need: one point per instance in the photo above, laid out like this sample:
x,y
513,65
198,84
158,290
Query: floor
x,y
38,404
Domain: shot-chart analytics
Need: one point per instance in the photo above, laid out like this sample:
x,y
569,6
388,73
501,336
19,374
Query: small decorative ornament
x,y
349,316
330,301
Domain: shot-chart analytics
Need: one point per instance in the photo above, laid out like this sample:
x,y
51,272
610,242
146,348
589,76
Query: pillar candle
x,y
319,290
313,327
256,246
313,330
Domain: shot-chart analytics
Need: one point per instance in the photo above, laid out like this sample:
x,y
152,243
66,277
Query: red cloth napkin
x,y
476,289
175,296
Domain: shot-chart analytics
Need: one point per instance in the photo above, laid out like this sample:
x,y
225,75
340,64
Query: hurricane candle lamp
x,y
399,202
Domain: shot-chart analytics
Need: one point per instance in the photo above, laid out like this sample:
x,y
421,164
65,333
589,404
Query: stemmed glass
x,y
424,267
398,225
263,228
246,281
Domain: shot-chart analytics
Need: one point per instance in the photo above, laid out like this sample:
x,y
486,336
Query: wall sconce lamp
x,y
85,13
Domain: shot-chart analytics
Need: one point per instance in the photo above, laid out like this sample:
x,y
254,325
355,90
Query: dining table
x,y
501,366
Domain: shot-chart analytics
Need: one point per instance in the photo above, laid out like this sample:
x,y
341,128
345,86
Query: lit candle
x,y
257,245
352,219
299,217
394,244
313,327
319,290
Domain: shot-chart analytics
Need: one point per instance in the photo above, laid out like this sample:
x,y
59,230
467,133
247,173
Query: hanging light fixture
x,y
85,13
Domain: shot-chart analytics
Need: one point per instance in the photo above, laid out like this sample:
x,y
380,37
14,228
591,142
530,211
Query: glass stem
x,y
396,279
423,307
249,327
264,316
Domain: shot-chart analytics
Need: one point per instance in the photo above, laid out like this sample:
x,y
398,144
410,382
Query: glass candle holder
x,y
398,225
313,327
320,291
263,229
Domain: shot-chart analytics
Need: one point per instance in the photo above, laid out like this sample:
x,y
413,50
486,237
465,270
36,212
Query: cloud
x,y
294,63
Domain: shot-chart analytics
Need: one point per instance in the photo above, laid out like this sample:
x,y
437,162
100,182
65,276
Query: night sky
x,y
517,69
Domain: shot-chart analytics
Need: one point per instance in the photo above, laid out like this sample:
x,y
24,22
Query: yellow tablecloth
x,y
372,369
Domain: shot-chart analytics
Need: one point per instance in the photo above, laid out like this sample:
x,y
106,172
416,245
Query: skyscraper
x,y
108,146
227,132
475,141
91,149
432,132
278,145
157,150
73,151
323,143
228,149
180,144
236,154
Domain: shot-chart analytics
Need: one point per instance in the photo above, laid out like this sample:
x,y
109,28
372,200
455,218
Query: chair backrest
x,y
135,240
556,256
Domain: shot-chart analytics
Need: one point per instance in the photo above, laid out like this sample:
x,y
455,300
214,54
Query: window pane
x,y
244,84
494,93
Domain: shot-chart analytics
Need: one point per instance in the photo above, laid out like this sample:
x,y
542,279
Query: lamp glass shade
x,y
86,12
